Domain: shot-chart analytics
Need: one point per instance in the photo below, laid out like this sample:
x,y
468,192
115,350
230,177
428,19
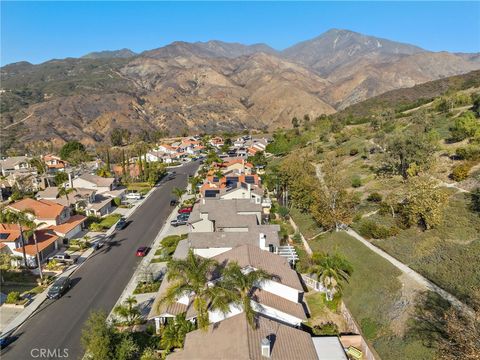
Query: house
x,y
237,164
133,170
44,211
216,141
210,215
54,163
95,182
154,156
25,180
100,207
210,244
13,163
167,149
78,199
235,338
195,150
11,242
67,230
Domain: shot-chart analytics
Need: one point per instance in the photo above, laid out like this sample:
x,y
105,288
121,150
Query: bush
x,y
374,197
356,182
13,297
369,229
283,212
96,227
460,172
326,328
148,287
297,239
468,153
117,201
353,152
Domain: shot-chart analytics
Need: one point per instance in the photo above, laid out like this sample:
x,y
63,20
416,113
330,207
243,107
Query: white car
x,y
133,196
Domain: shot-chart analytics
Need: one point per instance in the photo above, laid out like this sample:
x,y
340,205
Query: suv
x,y
65,258
59,288
173,202
183,216
178,222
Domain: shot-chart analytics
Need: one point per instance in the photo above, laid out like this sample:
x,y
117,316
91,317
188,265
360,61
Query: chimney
x,y
263,241
70,181
265,347
203,201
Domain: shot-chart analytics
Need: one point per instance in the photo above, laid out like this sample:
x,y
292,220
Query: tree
x,y
466,126
178,192
98,337
60,178
119,136
424,203
331,271
475,200
126,349
258,159
190,276
175,332
239,287
63,191
104,172
69,147
476,105
295,122
407,154
127,311
78,157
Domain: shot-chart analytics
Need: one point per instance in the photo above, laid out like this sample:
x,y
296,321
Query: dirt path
x,y
18,122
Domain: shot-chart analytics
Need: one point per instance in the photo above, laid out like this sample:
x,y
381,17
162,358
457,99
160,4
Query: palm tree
x,y
190,277
32,231
21,219
331,272
178,192
63,191
239,287
174,334
127,310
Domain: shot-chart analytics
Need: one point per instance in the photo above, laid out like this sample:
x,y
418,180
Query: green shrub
x,y
356,182
471,152
374,197
369,229
13,297
370,328
460,172
96,227
117,201
283,212
297,238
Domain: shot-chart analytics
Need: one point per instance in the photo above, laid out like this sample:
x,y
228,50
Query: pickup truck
x,y
63,258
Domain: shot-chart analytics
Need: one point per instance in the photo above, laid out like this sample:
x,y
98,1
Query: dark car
x,y
59,288
142,251
173,202
183,216
178,222
185,210
7,339
121,224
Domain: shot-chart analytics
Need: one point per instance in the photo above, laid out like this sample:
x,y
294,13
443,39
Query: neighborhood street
x,y
97,284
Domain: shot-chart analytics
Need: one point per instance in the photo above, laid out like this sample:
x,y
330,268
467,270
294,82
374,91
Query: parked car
x,y
173,202
65,258
121,224
178,222
185,210
183,216
170,176
59,288
142,251
134,196
7,339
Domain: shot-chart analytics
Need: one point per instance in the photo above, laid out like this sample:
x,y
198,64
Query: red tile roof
x,y
12,230
43,209
45,238
68,226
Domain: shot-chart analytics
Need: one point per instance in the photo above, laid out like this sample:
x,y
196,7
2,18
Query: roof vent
x,y
265,347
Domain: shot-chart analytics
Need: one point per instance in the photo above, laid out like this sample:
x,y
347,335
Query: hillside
x,y
381,165
209,86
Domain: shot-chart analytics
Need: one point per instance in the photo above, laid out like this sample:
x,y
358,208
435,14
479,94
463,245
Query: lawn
x,y
141,187
305,223
373,296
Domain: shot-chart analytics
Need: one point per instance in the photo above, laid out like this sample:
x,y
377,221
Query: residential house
x,y
14,163
235,338
54,163
238,165
154,156
167,149
11,243
211,215
95,182
216,141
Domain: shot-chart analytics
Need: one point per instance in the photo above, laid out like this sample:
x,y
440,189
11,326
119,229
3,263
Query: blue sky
x,y
39,31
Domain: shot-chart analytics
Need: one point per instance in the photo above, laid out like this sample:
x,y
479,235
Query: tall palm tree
x,y
331,271
127,310
63,191
32,231
190,277
20,218
178,192
174,334
239,286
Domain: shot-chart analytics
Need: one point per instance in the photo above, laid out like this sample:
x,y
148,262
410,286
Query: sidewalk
x,y
40,298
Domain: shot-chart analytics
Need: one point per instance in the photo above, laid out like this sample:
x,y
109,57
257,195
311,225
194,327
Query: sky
x,y
39,31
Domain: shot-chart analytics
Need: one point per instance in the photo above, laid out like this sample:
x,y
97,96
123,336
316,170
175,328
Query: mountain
x,y
209,86
109,54
209,49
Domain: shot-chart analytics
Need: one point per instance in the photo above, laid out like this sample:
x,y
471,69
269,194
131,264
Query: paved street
x,y
98,283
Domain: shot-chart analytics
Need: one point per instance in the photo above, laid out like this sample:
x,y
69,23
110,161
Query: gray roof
x,y
10,162
234,338
97,180
100,202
